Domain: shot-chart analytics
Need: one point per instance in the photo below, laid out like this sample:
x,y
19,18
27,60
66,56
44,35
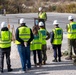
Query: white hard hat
x,y
55,22
40,8
70,18
41,24
22,20
3,24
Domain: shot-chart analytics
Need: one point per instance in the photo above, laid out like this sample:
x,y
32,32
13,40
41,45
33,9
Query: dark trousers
x,y
6,52
57,50
39,56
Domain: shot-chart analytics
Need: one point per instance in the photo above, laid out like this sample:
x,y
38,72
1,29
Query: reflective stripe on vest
x,y
24,33
5,42
42,15
72,30
57,36
5,39
44,34
36,43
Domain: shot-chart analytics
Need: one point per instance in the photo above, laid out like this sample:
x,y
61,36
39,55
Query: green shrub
x,y
60,8
13,6
64,8
11,9
71,8
53,8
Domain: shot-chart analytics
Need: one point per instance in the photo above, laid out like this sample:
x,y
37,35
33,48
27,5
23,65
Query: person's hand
x,y
25,43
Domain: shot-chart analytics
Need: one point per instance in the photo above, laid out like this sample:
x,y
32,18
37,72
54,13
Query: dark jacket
x,y
20,40
52,36
4,29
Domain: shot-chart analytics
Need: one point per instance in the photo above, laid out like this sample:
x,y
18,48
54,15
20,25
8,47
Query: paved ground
x,y
62,68
13,19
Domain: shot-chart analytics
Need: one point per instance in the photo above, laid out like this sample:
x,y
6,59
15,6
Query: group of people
x,y
26,39
34,40
57,37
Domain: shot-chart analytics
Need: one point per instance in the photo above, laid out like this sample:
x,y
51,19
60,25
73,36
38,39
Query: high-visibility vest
x,y
44,34
36,44
24,34
42,15
5,39
58,34
72,30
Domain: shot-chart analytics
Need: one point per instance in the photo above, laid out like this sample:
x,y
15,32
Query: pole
x,y
8,23
13,33
12,30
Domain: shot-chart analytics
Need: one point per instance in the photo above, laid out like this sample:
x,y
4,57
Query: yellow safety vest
x,y
58,34
42,15
44,34
24,34
36,44
5,39
72,30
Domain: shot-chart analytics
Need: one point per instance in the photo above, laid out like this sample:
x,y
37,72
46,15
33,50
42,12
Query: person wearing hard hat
x,y
45,36
24,36
36,46
71,35
56,41
5,46
42,15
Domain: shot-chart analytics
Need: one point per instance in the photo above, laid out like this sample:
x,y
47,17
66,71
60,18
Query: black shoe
x,y
9,70
37,64
55,60
44,62
59,60
1,71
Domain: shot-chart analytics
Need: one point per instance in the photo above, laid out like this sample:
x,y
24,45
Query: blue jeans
x,y
24,53
28,57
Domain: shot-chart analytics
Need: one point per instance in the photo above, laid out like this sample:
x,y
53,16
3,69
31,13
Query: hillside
x,y
24,6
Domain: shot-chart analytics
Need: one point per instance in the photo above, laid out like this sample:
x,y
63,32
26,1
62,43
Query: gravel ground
x,y
51,68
